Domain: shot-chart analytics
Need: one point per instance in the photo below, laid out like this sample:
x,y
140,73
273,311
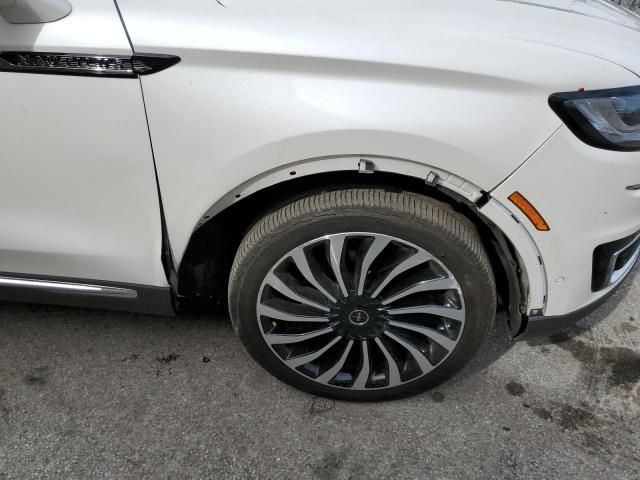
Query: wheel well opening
x,y
204,271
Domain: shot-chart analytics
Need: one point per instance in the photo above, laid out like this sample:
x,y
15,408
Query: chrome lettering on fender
x,y
88,65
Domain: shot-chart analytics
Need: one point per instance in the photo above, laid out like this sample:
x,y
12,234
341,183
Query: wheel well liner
x,y
204,270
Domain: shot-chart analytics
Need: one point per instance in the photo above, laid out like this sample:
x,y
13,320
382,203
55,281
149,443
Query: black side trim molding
x,y
115,66
86,293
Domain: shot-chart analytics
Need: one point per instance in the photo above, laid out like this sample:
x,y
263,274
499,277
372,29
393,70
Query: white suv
x,y
369,180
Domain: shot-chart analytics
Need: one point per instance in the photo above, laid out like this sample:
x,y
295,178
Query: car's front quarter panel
x,y
263,85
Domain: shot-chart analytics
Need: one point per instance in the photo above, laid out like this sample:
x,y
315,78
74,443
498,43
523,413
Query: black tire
x,y
420,220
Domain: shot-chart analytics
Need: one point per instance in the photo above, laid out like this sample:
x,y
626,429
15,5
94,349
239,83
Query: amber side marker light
x,y
530,211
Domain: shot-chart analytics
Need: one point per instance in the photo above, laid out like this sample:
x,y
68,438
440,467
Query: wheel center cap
x,y
358,317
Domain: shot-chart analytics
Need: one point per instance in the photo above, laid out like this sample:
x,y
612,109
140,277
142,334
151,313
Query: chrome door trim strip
x,y
69,288
115,66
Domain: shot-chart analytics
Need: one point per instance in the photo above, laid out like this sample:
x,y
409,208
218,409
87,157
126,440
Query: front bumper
x,y
539,327
582,193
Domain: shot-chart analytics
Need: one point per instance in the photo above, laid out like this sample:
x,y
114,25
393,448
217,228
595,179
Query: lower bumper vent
x,y
612,261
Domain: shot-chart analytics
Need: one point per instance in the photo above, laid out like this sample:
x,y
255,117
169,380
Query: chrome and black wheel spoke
x,y
440,338
327,376
274,282
431,285
361,311
336,246
453,313
300,360
289,338
406,264
300,259
365,368
392,374
375,249
422,361
276,314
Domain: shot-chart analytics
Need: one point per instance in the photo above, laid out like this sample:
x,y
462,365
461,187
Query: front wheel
x,y
362,294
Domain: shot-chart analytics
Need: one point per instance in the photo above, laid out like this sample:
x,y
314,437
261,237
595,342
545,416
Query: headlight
x,y
608,119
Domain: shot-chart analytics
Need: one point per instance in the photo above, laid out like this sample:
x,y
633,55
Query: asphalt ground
x,y
92,394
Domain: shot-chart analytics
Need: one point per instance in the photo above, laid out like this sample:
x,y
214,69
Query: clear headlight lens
x,y
608,119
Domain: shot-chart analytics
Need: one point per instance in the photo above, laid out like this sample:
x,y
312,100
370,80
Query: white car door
x,y
78,192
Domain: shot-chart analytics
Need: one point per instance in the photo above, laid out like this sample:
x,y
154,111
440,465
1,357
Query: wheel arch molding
x,y
364,165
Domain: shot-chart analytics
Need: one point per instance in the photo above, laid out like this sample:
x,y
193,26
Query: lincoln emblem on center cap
x,y
359,317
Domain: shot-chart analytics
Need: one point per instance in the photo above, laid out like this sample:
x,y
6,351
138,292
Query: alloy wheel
x,y
360,311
